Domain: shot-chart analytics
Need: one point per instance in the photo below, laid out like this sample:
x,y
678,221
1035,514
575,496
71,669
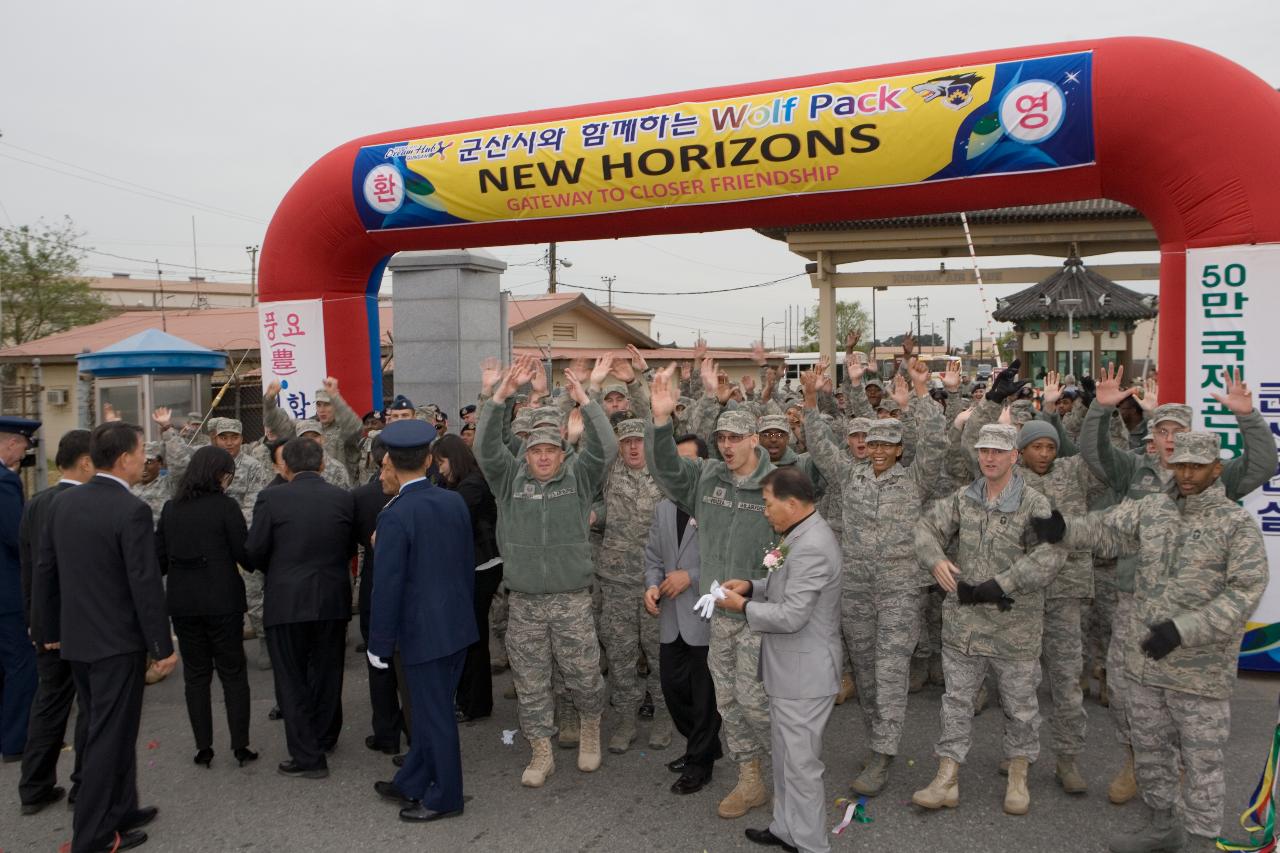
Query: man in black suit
x,y
97,594
302,538
17,658
388,720
55,690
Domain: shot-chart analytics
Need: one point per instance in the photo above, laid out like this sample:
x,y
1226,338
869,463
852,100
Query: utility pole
x,y
608,281
978,355
164,322
950,320
253,272
551,268
919,303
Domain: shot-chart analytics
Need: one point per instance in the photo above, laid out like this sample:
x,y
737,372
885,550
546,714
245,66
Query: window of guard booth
x,y
1111,356
124,396
1037,366
1082,366
177,393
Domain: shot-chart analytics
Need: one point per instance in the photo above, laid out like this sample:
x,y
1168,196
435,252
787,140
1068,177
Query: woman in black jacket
x,y
459,471
200,540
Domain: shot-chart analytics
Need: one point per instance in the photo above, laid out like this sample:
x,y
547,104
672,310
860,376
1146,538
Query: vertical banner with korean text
x,y
1233,301
291,340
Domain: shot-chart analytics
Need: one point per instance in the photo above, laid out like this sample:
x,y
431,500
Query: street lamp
x,y
1071,305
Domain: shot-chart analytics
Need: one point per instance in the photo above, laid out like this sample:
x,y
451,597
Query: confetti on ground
x,y
509,737
154,744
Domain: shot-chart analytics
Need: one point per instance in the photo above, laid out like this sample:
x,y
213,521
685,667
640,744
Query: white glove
x,y
707,604
375,661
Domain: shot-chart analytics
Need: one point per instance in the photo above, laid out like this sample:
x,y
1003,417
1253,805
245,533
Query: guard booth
x,y
148,370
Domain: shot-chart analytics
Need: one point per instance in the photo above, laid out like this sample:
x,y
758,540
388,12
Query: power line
x,y
151,262
686,292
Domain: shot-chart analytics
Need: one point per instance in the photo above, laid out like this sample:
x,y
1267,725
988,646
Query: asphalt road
x,y
625,806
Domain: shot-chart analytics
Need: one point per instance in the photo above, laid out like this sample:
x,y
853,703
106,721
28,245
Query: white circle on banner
x,y
1032,111
384,188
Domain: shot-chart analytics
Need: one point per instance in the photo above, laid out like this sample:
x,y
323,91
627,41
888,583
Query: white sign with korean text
x,y
291,340
1233,303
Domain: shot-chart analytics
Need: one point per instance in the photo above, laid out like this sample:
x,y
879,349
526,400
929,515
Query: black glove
x,y
1006,383
964,592
1088,389
987,592
1050,529
1163,639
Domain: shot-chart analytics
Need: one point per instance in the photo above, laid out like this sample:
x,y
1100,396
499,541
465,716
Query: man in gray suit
x,y
671,570
797,610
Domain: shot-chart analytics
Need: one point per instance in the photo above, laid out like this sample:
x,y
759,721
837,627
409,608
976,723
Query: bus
x,y
801,361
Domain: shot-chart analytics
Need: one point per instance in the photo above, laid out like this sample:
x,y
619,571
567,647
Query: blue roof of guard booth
x,y
151,351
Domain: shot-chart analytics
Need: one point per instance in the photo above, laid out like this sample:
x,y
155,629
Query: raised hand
x,y
1052,389
908,344
699,350
273,391
490,374
1109,392
574,425
574,384
1006,416
509,383
109,413
854,368
851,342
951,378
162,416
707,369
809,387
963,418
901,393
724,388
604,365
664,395
757,353
638,362
1150,398
748,385
919,372
538,380
623,371
1238,399
822,365
331,386
1006,383
686,371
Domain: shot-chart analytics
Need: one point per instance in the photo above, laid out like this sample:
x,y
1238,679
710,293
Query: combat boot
x,y
747,794
589,747
847,689
944,790
541,764
1069,775
1016,798
874,776
624,734
660,731
1124,787
568,726
935,671
1162,833
919,674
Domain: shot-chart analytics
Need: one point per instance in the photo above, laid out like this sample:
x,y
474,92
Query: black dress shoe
x,y
244,755
679,764
361,648
398,760
418,813
274,714
371,742
137,819
123,841
764,836
389,791
692,781
204,758
47,799
463,717
11,759
291,768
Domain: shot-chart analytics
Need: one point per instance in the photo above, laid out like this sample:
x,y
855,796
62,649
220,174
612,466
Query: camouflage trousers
x,y
733,656
930,642
546,631
1175,733
1060,652
498,621
1017,681
253,595
1099,616
882,629
1119,684
625,629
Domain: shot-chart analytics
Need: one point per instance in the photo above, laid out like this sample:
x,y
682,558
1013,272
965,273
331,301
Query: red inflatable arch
x,y
1180,133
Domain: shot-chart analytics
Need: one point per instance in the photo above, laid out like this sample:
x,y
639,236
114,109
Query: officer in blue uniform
x,y
17,655
422,612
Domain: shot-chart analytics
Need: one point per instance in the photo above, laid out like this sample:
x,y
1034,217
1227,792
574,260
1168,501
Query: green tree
x,y
40,286
849,318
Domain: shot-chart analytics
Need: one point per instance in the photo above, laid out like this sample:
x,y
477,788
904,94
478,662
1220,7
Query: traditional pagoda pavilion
x,y
1075,321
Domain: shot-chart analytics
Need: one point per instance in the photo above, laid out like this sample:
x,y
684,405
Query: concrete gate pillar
x,y
448,318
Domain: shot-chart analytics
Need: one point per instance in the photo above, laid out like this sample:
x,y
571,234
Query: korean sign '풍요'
x,y
1020,116
291,340
1232,306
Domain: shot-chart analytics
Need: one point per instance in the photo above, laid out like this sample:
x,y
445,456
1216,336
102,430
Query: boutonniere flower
x,y
775,557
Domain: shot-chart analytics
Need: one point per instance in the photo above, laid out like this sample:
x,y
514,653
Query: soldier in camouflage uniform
x,y
994,612
1201,570
1135,475
883,582
724,496
334,471
340,426
544,501
630,496
156,485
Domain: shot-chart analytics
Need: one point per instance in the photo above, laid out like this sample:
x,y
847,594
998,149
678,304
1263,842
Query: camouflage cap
x,y
194,416
1022,411
872,380
630,428
155,450
308,425
322,396
862,425
1177,412
774,422
885,430
521,398
997,437
736,422
544,416
1200,448
522,422
613,387
544,435
226,425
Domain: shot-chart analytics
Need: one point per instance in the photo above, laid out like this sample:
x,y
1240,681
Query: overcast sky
x,y
223,105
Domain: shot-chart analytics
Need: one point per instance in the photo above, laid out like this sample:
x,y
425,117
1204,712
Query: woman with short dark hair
x,y
200,540
460,472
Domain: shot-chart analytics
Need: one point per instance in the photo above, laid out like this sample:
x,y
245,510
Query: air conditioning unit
x,y
56,397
